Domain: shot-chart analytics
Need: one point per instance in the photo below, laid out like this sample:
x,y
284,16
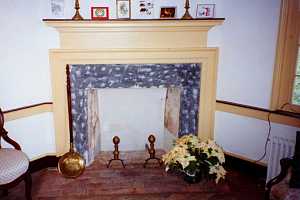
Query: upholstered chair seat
x,y
282,190
13,164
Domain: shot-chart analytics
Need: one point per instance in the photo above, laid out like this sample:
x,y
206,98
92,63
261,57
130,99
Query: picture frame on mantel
x,y
168,12
123,9
142,9
99,13
205,11
57,9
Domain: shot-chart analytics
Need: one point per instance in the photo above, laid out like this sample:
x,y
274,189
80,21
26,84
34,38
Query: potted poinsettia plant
x,y
196,159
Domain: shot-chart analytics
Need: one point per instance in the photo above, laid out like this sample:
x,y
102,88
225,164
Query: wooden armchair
x,y
286,185
14,164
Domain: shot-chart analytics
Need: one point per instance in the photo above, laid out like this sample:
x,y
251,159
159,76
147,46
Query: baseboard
x,y
43,163
233,163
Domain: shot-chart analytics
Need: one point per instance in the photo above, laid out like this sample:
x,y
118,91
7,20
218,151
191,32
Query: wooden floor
x,y
135,183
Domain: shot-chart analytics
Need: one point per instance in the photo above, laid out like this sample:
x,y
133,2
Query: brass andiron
x,y
187,7
116,141
151,151
77,15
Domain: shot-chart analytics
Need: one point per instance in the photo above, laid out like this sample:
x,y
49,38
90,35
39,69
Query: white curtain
x,y
93,126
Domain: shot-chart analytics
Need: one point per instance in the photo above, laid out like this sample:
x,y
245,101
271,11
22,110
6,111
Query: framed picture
x,y
57,9
168,12
205,11
123,9
145,9
99,13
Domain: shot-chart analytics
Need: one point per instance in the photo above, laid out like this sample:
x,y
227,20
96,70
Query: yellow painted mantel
x,y
132,42
133,34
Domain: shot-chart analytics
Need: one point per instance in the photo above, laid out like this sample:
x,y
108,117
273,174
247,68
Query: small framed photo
x,y
99,13
142,9
205,11
123,9
168,12
57,9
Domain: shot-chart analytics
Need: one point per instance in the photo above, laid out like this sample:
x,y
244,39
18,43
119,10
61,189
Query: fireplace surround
x,y
134,43
86,77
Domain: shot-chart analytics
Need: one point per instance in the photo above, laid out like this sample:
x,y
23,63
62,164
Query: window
x,y
296,89
286,83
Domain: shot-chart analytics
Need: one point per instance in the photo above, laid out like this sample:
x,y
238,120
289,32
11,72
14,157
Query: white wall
x,y
247,41
25,72
247,136
25,40
34,134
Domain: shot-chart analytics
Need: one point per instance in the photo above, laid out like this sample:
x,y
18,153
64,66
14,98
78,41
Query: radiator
x,y
280,148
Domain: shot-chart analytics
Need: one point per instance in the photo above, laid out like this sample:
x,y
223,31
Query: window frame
x,y
286,57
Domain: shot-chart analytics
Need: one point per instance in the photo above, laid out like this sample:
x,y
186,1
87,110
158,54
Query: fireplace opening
x,y
131,114
106,98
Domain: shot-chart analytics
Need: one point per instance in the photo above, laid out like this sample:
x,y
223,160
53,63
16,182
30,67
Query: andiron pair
x,y
151,151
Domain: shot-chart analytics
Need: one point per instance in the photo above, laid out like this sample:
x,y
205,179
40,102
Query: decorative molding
x,y
244,165
43,163
134,23
42,156
27,111
234,155
258,113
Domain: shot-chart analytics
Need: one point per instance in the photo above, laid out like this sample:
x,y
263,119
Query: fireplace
x,y
184,76
138,48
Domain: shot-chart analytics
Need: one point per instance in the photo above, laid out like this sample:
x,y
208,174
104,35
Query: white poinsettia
x,y
180,154
219,171
191,155
187,139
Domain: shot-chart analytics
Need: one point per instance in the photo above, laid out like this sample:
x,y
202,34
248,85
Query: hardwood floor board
x,y
135,183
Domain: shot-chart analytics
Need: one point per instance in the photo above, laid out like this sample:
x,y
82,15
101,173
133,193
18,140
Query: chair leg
x,y
28,184
4,192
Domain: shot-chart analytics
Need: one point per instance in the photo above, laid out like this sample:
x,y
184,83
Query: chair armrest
x,y
285,164
3,134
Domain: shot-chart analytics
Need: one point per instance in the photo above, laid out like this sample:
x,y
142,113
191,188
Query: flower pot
x,y
191,179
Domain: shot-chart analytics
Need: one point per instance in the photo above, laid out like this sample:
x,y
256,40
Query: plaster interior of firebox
x,y
132,114
133,42
140,112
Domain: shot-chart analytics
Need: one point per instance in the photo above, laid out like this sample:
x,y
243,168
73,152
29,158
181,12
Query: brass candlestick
x,y
187,14
77,15
151,151
116,141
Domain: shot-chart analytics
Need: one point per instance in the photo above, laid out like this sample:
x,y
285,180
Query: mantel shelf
x,y
64,24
